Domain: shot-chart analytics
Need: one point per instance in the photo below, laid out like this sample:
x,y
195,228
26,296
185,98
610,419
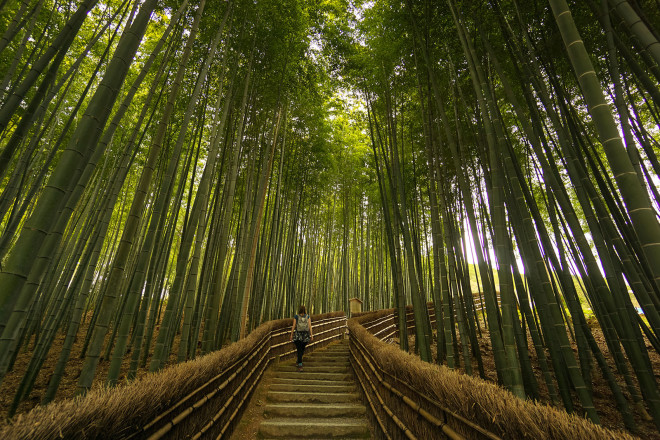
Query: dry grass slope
x,y
113,413
483,403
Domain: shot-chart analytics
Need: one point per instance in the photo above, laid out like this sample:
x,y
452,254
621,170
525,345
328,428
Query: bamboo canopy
x,y
174,174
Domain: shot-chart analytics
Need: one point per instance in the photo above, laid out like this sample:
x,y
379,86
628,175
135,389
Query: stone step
x,y
323,358
314,361
333,352
315,368
337,348
313,428
299,410
343,387
320,402
312,375
291,397
325,354
316,382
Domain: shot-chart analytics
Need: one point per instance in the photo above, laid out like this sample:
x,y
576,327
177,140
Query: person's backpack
x,y
303,323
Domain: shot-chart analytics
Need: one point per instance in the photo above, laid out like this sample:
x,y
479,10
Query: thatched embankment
x,y
456,396
123,411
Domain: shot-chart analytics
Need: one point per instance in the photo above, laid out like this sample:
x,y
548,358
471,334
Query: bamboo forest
x,y
480,177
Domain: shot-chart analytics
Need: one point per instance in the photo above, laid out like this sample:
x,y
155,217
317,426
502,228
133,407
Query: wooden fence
x,y
386,325
398,409
383,324
212,410
204,397
411,399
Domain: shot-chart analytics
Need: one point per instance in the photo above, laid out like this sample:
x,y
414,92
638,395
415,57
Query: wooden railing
x,y
388,323
412,399
212,409
384,324
399,409
408,398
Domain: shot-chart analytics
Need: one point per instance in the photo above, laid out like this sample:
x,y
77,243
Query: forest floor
x,y
603,399
69,382
248,425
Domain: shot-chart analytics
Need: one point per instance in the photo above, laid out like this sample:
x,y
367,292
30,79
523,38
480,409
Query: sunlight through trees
x,y
173,174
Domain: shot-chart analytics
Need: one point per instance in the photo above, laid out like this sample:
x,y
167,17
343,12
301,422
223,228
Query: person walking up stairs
x,y
320,402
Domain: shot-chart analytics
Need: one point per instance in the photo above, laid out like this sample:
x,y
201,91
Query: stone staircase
x,y
320,402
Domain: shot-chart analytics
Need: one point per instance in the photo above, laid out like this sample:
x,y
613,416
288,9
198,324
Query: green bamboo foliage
x,y
400,209
641,214
128,235
511,373
133,294
58,46
542,303
255,227
173,175
60,184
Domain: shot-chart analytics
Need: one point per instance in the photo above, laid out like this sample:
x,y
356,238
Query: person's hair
x,y
302,310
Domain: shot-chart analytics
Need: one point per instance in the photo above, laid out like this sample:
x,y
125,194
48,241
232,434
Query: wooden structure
x,y
355,305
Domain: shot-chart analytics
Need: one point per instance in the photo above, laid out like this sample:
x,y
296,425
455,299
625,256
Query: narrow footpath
x,y
320,402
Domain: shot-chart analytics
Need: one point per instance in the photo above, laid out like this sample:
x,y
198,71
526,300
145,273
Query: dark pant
x,y
300,346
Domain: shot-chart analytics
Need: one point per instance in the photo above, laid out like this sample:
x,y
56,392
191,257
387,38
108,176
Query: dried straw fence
x,y
387,322
417,400
204,397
